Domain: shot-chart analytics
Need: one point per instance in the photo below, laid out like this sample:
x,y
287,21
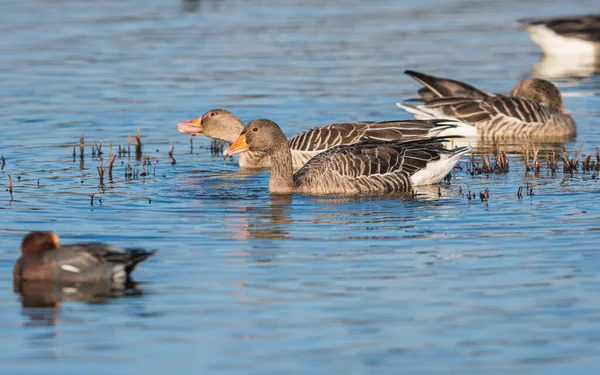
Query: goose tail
x,y
448,127
437,170
420,112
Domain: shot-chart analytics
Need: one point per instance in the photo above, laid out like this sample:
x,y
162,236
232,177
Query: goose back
x,y
370,167
506,115
307,144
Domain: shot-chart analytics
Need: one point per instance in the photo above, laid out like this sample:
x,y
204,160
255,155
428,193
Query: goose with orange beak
x,y
224,125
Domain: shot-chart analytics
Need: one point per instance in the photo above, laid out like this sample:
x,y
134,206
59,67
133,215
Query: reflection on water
x,y
555,67
288,284
269,221
41,301
48,294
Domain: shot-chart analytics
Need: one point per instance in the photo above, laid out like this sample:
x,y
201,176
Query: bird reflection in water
x,y
554,67
41,301
268,221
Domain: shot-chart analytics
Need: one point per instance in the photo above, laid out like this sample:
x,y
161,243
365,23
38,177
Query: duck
x,y
44,259
534,108
368,167
224,125
565,36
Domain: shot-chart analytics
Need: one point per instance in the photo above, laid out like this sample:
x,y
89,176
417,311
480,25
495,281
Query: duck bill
x,y
191,127
237,147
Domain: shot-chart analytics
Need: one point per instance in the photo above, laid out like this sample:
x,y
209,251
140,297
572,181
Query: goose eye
x,y
255,129
212,114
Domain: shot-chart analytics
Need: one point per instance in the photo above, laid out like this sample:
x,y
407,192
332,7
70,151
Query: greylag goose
x,y
224,125
534,108
43,259
367,167
578,35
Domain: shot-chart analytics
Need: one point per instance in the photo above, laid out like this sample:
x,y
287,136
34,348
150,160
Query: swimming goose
x,y
534,108
367,167
579,35
43,259
224,125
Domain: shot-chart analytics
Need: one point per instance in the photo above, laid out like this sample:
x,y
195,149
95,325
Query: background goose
x,y
224,125
578,35
43,259
534,107
363,168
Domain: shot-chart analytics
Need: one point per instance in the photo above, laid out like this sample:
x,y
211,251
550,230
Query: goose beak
x,y
237,147
191,127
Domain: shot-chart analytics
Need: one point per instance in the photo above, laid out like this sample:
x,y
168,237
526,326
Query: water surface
x,y
246,282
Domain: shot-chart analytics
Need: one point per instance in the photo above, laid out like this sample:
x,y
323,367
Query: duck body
x,y
368,167
224,125
565,36
43,259
533,109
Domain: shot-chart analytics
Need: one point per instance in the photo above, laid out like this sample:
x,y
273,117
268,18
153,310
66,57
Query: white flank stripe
x,y
70,268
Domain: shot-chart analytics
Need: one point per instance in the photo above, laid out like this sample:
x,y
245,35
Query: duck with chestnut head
x,y
44,259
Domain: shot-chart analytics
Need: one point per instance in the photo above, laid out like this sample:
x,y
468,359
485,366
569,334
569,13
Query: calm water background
x,y
246,282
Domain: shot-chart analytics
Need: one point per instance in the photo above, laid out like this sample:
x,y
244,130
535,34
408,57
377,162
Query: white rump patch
x,y
460,128
119,274
437,170
423,113
68,290
553,44
70,268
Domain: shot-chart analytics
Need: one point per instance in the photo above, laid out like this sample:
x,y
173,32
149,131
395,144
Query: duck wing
x,y
96,261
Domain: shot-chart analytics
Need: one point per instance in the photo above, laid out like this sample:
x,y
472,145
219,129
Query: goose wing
x,y
368,166
437,87
508,108
324,137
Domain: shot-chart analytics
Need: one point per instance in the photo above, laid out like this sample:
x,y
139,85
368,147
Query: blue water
x,y
246,282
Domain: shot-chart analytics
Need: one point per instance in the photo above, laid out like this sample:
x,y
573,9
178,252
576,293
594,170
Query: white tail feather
x,y
437,170
423,113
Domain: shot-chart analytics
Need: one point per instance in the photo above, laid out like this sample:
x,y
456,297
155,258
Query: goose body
x,y
43,259
578,35
368,167
534,108
224,125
